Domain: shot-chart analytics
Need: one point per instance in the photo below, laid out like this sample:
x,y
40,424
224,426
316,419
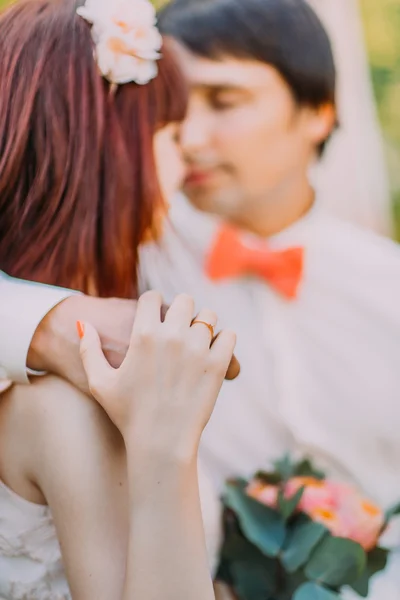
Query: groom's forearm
x,y
55,345
23,305
38,330
54,342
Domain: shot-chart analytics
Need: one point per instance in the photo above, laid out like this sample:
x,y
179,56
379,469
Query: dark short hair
x,y
286,34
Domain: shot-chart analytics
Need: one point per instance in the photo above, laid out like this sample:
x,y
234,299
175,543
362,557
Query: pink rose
x,y
330,519
339,507
264,493
317,493
364,521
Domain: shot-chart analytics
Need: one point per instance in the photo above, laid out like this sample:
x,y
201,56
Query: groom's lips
x,y
199,177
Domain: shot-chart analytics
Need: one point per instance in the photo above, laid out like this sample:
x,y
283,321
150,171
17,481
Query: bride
x,y
99,500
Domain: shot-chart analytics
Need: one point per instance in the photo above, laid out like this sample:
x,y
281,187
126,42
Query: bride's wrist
x,y
148,479
151,466
149,451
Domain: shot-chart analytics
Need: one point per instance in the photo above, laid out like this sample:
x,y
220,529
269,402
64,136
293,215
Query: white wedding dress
x,y
30,557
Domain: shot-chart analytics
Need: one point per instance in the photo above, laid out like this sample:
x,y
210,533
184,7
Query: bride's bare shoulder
x,y
51,422
46,403
38,393
23,406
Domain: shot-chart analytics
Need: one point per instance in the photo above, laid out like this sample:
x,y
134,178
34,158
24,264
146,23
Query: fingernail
x,y
81,329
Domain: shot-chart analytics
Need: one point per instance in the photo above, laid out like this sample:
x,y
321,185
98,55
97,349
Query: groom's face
x,y
244,135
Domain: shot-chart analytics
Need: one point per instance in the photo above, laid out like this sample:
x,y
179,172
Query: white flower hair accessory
x,y
127,41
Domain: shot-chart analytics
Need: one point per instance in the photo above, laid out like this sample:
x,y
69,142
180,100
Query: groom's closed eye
x,y
227,97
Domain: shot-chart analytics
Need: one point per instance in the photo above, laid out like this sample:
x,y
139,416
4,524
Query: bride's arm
x,y
161,399
63,444
167,556
152,546
68,448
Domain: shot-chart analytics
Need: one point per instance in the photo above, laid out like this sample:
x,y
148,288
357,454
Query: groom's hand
x,y
55,345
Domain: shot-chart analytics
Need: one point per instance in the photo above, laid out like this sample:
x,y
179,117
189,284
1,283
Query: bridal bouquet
x,y
291,534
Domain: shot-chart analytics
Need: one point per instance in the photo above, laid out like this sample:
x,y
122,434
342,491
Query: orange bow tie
x,y
230,257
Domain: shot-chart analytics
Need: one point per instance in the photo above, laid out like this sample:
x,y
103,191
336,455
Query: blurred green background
x,y
382,32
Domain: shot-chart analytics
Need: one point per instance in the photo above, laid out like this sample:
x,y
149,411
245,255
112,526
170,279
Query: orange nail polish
x,y
81,329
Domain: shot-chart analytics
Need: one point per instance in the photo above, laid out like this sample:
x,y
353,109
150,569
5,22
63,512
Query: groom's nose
x,y
196,131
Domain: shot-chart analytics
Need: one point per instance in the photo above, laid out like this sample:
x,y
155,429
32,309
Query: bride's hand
x,y
163,394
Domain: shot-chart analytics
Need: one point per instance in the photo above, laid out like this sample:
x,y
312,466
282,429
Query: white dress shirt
x,y
320,374
23,305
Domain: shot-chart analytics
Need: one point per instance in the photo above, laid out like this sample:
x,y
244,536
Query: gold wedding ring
x,y
208,325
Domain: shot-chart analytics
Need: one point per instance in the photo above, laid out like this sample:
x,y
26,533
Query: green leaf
x,y
246,568
252,581
239,483
287,506
305,468
263,526
313,591
284,467
376,562
223,574
336,562
268,477
290,584
393,512
300,543
238,548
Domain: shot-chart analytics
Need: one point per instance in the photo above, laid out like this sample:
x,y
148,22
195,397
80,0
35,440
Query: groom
x,y
316,303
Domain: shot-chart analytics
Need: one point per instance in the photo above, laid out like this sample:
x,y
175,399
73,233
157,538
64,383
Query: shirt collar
x,y
199,228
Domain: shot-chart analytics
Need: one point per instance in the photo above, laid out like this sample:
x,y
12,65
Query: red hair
x,y
78,183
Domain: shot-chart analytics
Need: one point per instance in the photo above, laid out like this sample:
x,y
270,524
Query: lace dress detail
x,y
30,557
